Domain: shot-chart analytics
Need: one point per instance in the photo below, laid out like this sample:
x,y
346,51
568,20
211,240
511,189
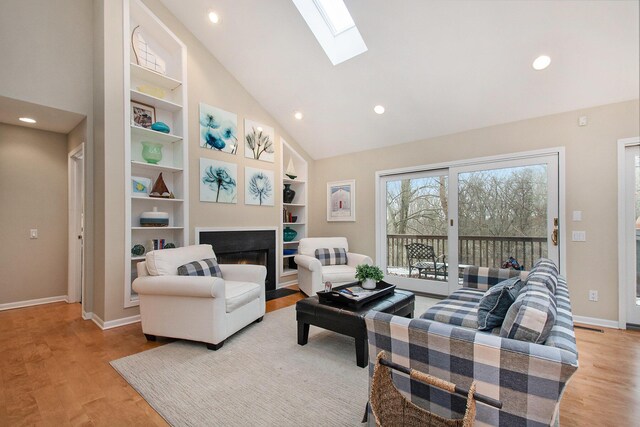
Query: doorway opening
x,y
435,220
76,169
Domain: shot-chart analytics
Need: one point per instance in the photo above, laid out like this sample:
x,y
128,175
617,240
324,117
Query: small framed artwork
x,y
218,129
218,181
341,200
259,141
142,115
140,186
259,187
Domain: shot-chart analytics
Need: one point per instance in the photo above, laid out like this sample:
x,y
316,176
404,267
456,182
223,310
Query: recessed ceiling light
x,y
379,109
298,115
27,120
213,17
541,62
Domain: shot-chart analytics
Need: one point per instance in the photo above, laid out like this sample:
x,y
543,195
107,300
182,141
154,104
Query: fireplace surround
x,y
244,246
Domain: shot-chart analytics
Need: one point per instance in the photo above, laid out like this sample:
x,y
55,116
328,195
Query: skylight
x,y
336,15
333,27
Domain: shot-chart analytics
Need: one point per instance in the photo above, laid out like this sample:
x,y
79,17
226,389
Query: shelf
x,y
157,228
153,135
156,168
138,258
155,199
289,272
152,77
293,181
159,103
300,205
293,242
293,223
289,256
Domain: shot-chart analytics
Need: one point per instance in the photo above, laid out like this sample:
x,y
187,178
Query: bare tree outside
x,y
501,213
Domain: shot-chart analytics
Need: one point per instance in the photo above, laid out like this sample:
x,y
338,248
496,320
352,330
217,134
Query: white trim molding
x,y
622,218
594,321
112,323
32,302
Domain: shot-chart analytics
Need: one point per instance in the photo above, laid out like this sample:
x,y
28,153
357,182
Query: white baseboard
x,y
605,323
113,323
32,302
87,316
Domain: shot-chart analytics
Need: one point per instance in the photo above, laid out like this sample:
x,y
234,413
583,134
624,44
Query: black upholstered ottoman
x,y
350,321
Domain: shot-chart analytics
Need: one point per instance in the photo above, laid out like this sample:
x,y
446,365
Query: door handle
x,y
554,234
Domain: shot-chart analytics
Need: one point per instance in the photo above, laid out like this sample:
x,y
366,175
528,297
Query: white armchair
x,y
312,274
198,308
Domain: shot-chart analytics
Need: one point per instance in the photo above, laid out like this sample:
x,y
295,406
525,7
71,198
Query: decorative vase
x,y
288,194
137,250
369,284
151,152
160,127
288,234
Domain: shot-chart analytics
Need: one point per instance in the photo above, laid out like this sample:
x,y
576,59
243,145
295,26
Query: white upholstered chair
x,y
312,274
198,308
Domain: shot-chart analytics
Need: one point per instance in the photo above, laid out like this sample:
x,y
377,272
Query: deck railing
x,y
486,251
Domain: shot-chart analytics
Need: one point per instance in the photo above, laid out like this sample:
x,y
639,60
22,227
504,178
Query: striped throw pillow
x,y
205,267
332,256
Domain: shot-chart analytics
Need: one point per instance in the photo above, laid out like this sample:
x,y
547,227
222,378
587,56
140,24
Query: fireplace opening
x,y
246,257
245,247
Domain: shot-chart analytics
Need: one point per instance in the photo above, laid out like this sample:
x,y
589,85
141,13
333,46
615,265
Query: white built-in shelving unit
x,y
171,109
298,207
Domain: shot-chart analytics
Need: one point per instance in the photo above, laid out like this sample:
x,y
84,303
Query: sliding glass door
x,y
484,213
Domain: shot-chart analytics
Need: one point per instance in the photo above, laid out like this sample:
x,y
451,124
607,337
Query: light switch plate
x,y
33,233
577,215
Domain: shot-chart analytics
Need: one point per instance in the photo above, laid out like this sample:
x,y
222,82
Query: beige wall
x,y
591,186
208,82
33,191
77,136
47,59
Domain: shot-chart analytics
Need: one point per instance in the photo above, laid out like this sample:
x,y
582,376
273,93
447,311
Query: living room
x,y
459,96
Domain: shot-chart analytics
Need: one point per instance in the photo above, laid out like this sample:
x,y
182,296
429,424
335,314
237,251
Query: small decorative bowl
x,y
294,218
160,127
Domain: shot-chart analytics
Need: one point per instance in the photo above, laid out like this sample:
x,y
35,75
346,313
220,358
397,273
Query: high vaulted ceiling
x,y
438,67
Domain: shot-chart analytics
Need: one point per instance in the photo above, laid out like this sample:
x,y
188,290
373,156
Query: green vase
x,y
151,152
289,234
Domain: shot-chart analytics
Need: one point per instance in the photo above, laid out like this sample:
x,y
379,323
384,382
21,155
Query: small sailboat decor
x,y
160,189
291,172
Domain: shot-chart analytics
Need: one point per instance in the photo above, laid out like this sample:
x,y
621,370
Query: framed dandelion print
x,y
259,141
218,181
258,187
341,200
218,129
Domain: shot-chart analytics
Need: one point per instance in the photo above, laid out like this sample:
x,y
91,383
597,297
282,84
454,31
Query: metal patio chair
x,y
424,259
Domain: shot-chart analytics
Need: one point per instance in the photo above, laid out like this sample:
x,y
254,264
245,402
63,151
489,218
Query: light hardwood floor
x,y
54,370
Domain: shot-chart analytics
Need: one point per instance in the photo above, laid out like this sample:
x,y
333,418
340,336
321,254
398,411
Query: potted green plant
x,y
368,275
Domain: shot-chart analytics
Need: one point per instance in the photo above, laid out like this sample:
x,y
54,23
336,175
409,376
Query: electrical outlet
x,y
593,296
582,121
579,236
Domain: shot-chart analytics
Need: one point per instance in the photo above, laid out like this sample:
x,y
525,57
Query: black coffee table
x,y
350,321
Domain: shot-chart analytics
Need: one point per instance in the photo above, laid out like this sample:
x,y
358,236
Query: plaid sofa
x,y
527,378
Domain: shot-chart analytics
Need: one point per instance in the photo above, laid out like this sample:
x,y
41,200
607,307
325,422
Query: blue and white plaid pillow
x,y
332,256
205,267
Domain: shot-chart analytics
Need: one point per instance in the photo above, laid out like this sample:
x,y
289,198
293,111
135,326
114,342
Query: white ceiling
x,y
47,118
438,67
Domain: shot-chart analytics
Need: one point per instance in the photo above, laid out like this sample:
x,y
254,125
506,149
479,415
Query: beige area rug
x,y
260,377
